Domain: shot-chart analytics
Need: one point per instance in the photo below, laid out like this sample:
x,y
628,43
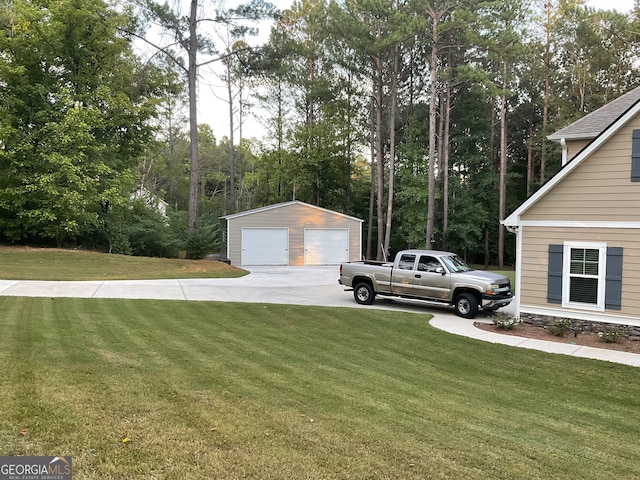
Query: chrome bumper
x,y
496,301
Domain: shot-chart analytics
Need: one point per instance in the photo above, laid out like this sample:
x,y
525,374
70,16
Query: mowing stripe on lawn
x,y
223,390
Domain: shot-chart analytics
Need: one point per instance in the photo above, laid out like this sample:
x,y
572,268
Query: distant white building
x,y
152,201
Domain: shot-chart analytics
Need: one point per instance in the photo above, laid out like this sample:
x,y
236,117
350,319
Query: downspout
x,y
516,230
565,151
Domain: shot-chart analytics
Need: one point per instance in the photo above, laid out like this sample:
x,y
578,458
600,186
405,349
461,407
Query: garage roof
x,y
286,204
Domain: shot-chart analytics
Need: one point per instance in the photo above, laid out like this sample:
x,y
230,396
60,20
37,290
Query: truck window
x,y
428,264
456,264
406,262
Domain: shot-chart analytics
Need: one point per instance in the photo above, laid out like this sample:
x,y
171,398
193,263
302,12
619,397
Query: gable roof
x,y
593,124
608,130
286,204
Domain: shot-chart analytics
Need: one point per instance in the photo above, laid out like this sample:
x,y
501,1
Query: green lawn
x,y
18,263
230,391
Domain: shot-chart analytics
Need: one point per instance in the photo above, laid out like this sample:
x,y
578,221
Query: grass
x,y
223,390
19,263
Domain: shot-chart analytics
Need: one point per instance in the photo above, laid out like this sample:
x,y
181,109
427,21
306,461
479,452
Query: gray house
x,y
292,233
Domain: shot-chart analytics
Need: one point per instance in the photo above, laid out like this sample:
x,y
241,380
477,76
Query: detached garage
x,y
292,233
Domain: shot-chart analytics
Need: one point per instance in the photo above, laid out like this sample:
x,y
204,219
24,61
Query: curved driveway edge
x,y
459,326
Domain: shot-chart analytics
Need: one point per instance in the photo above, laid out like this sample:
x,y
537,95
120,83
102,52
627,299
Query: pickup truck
x,y
428,275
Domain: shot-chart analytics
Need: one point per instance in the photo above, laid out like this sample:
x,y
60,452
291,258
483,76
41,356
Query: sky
x,y
215,112
212,105
620,5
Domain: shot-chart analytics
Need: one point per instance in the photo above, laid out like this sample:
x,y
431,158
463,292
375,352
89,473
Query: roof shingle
x,y
593,124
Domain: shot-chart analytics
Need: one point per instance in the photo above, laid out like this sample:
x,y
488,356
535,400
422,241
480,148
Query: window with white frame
x,y
584,275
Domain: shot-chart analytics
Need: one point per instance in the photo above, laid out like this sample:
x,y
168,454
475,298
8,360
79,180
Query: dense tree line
x,y
428,119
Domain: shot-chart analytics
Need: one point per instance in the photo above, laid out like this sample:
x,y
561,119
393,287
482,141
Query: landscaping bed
x,y
527,330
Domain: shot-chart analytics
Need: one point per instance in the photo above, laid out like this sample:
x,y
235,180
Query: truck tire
x,y
466,305
364,293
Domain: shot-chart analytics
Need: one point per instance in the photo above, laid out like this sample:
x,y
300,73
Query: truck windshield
x,y
455,264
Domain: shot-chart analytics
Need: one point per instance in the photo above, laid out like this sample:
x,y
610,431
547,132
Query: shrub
x,y
504,321
201,241
149,232
560,327
205,237
610,335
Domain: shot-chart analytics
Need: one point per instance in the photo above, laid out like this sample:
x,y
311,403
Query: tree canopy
x,y
426,118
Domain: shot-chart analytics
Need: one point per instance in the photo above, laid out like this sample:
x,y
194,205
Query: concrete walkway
x,y
291,285
459,326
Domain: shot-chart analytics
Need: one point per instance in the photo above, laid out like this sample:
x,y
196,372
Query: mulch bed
x,y
585,339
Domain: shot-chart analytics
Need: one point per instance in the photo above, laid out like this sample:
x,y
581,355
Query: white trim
x,y
517,287
566,275
287,204
579,224
565,151
360,255
579,315
514,218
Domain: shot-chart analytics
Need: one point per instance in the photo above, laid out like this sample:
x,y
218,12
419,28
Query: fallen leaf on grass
x,y
126,440
23,432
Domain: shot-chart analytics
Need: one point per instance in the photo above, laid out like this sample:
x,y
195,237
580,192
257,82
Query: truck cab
x,y
421,275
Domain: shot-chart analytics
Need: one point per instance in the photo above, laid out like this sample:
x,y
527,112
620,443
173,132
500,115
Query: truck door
x,y
431,279
402,275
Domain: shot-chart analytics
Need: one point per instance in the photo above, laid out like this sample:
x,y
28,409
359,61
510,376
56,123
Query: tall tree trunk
x,y
440,137
545,104
372,190
280,130
240,120
445,166
349,146
379,161
232,150
431,199
487,253
193,119
492,134
392,148
503,164
530,160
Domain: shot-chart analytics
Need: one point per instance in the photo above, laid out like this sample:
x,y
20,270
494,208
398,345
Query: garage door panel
x,y
265,246
326,246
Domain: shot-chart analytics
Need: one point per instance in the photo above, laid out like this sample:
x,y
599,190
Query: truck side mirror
x,y
440,270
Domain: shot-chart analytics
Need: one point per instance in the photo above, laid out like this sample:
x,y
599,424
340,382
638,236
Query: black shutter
x,y
635,157
554,274
613,289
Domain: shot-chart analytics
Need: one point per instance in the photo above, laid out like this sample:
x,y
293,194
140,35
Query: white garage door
x,y
326,246
265,246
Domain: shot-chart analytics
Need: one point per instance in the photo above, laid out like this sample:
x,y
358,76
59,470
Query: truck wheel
x,y
364,294
466,305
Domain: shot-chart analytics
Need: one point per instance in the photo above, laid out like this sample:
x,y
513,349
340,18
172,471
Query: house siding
x,y
600,189
296,217
534,261
575,146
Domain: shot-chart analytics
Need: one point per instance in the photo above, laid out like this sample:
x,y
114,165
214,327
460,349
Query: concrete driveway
x,y
286,285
